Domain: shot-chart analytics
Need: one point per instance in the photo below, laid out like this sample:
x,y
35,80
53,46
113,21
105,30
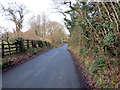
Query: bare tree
x,y
38,24
61,7
0,32
4,33
44,21
35,24
15,12
55,32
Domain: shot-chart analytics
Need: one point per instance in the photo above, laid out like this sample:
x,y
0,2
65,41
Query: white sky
x,y
36,7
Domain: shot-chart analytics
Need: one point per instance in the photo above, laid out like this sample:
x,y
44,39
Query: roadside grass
x,y
104,70
58,45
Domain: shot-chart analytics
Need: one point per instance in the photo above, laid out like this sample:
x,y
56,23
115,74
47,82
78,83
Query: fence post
x,y
16,45
45,43
2,49
38,43
32,43
21,46
42,44
35,44
28,46
9,47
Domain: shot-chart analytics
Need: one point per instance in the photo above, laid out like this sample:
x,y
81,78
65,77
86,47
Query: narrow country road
x,y
53,69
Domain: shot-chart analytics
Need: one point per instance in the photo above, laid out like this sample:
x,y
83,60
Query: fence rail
x,y
21,46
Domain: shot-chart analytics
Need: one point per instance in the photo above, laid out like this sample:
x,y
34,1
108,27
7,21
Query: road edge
x,y
83,75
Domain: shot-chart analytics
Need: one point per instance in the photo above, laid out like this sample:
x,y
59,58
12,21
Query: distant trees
x,y
38,24
5,34
15,12
55,32
35,24
0,32
46,29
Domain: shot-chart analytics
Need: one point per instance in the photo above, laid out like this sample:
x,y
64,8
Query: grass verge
x,y
99,70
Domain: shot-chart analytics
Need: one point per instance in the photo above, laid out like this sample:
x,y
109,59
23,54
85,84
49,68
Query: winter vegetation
x,y
42,35
94,37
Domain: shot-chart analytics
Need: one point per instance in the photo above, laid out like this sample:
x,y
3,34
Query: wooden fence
x,y
19,47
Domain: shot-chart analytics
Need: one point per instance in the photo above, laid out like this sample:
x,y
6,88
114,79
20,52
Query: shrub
x,y
98,65
94,49
108,39
83,51
32,51
17,40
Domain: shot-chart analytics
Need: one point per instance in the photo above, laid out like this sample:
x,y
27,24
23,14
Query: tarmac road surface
x,y
53,69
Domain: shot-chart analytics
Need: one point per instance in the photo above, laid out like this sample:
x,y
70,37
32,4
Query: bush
x,y
33,50
94,49
98,65
17,40
83,51
108,44
108,39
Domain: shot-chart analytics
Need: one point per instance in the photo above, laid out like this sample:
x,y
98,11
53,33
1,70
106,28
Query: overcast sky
x,y
36,7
